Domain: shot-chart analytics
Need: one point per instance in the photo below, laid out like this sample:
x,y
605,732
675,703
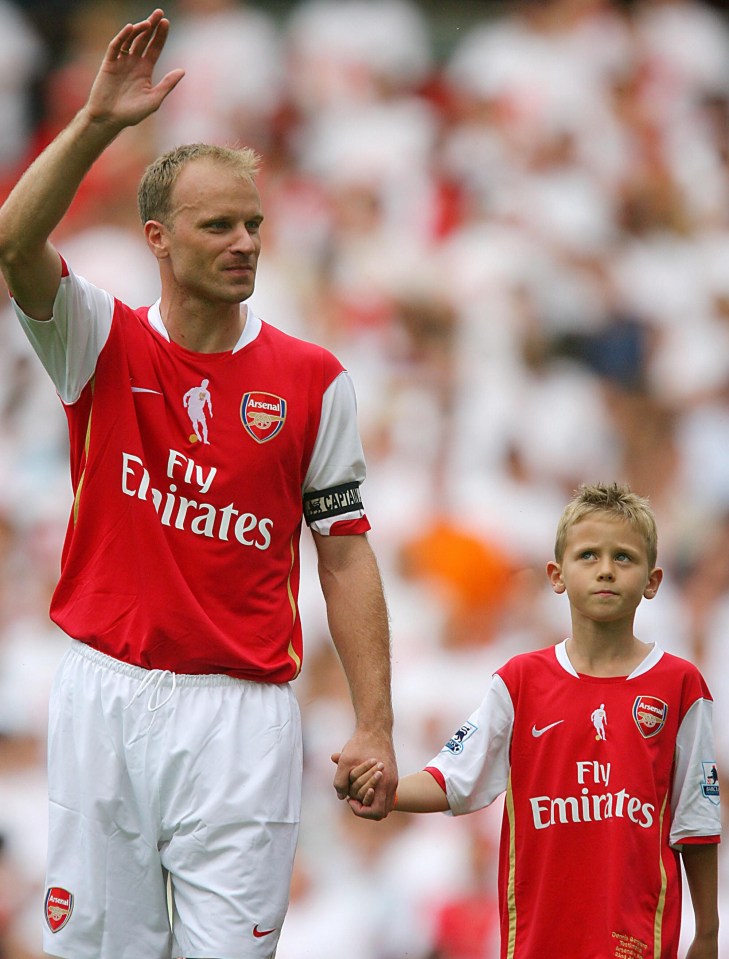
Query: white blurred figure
x,y
22,56
685,46
550,61
348,52
233,75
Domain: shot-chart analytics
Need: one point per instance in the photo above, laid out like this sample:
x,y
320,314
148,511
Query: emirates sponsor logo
x,y
177,509
594,803
58,906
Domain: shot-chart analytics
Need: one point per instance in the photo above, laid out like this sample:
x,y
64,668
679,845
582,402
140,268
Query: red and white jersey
x,y
191,473
603,779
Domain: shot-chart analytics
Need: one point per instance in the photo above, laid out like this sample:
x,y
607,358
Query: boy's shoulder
x,y
535,660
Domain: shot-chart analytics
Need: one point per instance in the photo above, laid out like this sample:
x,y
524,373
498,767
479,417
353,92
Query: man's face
x,y
212,241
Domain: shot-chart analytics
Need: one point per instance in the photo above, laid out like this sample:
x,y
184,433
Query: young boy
x,y
604,747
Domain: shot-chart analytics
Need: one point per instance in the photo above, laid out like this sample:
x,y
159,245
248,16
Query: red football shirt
x,y
603,779
191,473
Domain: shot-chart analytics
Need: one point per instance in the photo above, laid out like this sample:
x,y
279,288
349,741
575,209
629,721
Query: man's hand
x,y
123,94
380,796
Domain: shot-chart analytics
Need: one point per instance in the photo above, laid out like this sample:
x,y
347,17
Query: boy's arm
x,y
122,95
700,862
420,792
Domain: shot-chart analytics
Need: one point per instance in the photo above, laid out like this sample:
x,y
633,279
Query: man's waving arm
x,y
122,95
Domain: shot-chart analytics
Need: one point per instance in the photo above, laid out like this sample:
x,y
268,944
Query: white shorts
x,y
155,776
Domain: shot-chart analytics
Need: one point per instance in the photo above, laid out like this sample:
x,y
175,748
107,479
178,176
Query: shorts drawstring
x,y
155,679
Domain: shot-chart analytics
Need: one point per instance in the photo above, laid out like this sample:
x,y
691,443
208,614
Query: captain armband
x,y
323,504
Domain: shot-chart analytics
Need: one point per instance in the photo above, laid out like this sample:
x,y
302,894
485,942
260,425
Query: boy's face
x,y
604,570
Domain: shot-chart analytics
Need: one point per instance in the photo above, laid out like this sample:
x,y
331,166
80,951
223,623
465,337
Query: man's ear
x,y
654,581
554,575
156,234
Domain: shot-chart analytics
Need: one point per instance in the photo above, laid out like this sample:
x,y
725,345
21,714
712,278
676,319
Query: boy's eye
x,y
622,557
587,554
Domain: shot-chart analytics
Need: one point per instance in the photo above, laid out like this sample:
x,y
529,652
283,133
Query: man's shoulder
x,y
288,341
304,351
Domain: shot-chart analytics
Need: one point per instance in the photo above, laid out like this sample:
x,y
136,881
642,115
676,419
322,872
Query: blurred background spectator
x,y
510,220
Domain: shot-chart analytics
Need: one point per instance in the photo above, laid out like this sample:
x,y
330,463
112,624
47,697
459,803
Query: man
x,y
174,745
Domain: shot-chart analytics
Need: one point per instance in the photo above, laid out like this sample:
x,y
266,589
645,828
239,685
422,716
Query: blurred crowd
x,y
518,242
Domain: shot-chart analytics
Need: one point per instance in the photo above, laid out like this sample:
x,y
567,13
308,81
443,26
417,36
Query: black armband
x,y
323,504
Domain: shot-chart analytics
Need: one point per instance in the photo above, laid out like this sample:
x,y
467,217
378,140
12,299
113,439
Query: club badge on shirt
x,y
649,714
263,415
58,906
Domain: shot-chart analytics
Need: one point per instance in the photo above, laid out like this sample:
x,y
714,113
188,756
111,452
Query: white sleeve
x,y
337,467
475,761
695,799
69,344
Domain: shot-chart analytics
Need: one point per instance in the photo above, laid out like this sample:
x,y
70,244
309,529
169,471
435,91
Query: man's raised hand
x,y
123,93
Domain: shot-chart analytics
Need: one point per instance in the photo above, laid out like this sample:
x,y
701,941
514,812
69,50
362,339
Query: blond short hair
x,y
154,197
613,500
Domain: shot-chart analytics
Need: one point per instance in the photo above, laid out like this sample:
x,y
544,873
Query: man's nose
x,y
243,241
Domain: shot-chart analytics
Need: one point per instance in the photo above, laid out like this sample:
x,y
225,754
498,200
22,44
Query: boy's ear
x,y
654,581
554,575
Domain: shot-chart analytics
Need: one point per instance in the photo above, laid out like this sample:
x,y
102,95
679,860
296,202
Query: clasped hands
x,y
362,788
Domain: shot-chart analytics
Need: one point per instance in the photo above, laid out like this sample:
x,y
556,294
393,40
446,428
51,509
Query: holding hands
x,y
362,790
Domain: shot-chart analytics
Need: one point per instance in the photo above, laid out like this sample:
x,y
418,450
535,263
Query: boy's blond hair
x,y
615,501
154,196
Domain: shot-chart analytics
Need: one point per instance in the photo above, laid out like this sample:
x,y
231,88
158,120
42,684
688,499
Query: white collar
x,y
653,656
250,331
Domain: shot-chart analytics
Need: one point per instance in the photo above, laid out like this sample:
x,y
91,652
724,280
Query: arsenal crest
x,y
59,906
263,415
649,714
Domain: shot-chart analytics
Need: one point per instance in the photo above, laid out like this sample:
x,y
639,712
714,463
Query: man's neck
x,y
203,331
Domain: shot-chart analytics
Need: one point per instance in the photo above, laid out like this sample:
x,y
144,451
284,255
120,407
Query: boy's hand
x,y
704,948
363,779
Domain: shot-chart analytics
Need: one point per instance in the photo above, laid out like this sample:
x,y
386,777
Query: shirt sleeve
x,y
68,345
332,498
695,798
475,761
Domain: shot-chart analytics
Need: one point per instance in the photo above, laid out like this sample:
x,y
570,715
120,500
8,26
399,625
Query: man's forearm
x,y
44,193
359,626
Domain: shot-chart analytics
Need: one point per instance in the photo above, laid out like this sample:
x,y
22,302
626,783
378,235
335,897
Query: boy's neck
x,y
606,657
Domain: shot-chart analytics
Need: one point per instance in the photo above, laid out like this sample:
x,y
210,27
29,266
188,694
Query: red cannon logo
x,y
649,714
263,415
59,906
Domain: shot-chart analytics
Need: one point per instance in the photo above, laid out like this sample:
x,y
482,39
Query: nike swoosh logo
x,y
142,389
260,933
540,732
